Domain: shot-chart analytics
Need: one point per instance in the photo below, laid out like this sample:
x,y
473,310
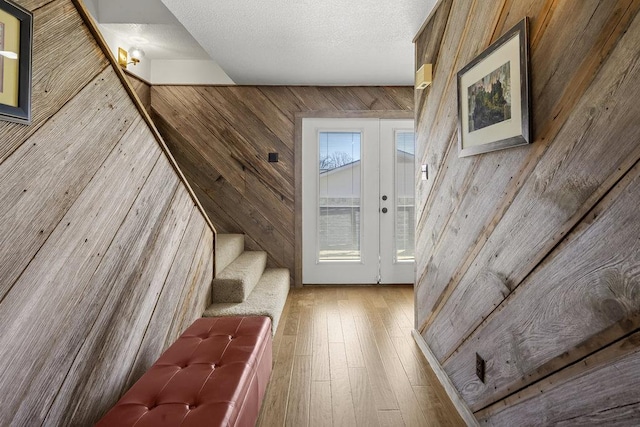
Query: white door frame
x,y
365,270
401,271
389,114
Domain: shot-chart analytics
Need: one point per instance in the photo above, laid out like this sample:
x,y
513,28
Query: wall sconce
x,y
424,76
135,53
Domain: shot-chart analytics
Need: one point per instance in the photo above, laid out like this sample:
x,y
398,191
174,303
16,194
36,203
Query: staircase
x,y
242,286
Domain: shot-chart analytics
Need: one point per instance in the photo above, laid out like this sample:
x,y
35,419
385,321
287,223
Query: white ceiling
x,y
146,24
278,42
159,41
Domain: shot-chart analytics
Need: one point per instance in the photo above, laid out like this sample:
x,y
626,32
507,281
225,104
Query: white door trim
x,y
387,114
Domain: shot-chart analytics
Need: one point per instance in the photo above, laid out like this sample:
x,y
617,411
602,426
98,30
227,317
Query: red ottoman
x,y
215,374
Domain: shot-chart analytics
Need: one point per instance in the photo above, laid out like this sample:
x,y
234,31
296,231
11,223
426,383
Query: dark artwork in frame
x,y
490,98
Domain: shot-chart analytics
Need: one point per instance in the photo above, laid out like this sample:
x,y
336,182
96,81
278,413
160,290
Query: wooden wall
x,y
105,259
530,256
142,89
221,137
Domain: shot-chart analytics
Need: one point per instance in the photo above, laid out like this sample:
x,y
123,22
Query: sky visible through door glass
x,y
338,149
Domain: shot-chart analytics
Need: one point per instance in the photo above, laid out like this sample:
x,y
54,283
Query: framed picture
x,y
16,38
494,96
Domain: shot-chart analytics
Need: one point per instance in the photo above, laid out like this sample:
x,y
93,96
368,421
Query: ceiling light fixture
x,y
135,53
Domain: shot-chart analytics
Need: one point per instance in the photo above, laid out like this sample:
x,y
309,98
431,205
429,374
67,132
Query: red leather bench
x,y
215,374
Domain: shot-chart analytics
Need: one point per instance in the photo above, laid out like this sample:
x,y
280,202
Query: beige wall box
x,y
423,76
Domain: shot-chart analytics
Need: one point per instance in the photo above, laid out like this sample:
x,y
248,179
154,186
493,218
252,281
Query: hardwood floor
x,y
344,356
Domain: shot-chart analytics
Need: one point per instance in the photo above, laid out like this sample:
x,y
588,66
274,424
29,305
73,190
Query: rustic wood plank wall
x,y
221,137
104,256
142,88
529,256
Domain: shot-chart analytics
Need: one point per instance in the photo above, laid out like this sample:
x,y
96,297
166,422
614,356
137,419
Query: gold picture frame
x,y
16,40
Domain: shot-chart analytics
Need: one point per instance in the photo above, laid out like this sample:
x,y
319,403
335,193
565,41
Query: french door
x,y
358,190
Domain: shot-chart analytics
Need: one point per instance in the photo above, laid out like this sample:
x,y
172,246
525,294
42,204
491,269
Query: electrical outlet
x,y
480,367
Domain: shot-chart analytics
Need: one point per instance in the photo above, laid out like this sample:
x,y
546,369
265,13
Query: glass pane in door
x,y
405,194
339,231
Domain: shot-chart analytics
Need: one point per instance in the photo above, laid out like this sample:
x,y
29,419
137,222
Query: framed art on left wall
x,y
16,40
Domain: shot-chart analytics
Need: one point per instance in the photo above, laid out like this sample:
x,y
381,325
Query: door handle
x,y
384,210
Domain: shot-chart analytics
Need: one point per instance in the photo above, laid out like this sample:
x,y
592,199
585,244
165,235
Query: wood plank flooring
x,y
344,356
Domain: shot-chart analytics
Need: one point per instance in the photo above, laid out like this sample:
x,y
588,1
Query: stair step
x,y
228,248
267,299
237,280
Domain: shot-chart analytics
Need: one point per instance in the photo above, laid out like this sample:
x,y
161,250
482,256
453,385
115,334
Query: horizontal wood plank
x,y
567,181
580,291
608,377
492,228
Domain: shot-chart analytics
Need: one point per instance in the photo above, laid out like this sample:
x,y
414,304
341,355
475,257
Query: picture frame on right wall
x,y
494,96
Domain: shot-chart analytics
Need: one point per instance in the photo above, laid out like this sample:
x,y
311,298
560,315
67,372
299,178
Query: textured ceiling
x,y
307,42
146,24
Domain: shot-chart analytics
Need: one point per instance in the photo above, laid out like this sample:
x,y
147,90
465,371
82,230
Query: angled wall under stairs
x,y
105,257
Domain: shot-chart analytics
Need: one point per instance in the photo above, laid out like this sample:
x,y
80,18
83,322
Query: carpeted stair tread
x,y
267,299
228,248
235,283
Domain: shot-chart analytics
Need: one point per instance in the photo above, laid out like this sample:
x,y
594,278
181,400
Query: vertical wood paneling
x,y
93,215
221,137
495,223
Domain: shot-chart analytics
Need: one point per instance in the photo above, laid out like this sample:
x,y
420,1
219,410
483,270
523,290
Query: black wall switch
x,y
273,157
